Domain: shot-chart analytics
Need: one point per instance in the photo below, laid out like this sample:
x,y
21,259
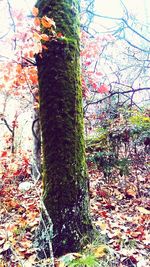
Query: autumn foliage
x,y
117,157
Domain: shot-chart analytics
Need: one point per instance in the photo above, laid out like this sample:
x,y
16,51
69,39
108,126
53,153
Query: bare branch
x,y
116,93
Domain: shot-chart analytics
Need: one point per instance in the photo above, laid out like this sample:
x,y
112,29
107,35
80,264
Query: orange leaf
x,y
45,47
31,54
35,11
135,234
14,204
33,78
47,22
44,37
60,35
130,193
22,79
19,68
2,86
6,78
37,36
37,21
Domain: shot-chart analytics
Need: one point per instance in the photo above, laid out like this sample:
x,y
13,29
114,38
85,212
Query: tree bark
x,y
65,181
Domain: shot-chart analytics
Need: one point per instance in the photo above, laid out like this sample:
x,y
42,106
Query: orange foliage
x,y
35,11
47,22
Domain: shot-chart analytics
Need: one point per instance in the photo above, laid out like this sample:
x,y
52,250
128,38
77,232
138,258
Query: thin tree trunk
x,y
36,166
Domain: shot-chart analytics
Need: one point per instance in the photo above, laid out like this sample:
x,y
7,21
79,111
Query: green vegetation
x,y
115,144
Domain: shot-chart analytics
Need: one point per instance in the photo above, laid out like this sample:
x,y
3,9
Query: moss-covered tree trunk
x,y
65,181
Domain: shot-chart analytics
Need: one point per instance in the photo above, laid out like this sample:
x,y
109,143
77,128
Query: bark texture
x,y
65,182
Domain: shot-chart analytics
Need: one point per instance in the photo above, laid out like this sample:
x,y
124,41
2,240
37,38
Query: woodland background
x,y
115,80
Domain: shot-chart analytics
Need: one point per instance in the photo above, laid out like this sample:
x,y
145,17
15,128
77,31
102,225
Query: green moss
x,y
65,182
64,13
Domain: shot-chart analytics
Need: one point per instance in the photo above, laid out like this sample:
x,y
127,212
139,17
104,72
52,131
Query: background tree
x,y
65,181
115,72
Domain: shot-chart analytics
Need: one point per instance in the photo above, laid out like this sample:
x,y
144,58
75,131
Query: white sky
x,y
140,8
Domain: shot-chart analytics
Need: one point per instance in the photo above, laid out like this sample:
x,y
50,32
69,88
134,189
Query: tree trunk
x,y
65,182
36,131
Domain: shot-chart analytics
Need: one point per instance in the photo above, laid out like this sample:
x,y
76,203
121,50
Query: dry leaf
x,y
100,251
37,36
47,22
130,193
35,11
44,37
135,234
143,210
37,22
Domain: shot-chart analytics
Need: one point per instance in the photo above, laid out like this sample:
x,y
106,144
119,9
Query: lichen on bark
x,y
65,182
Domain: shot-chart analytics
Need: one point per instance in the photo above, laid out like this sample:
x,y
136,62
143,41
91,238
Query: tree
x,y
65,182
125,71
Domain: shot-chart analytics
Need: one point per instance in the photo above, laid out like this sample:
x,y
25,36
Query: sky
x,y
113,8
138,8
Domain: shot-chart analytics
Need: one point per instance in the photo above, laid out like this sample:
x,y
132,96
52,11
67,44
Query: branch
x,y
33,131
13,22
136,47
1,37
116,93
133,30
121,20
7,125
32,62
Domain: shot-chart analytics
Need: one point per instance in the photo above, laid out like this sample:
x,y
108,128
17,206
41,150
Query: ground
x,y
120,212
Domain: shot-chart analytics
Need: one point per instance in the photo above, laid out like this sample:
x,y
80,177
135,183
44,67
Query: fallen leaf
x,y
135,234
130,193
143,210
4,154
100,251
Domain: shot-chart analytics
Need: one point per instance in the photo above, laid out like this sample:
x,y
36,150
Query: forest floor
x,y
120,211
